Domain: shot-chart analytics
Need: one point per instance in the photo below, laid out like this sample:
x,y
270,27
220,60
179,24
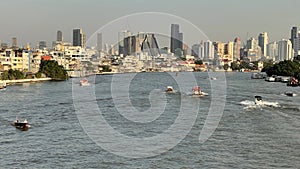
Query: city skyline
x,y
40,20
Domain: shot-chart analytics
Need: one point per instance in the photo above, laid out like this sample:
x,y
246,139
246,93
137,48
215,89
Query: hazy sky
x,y
36,20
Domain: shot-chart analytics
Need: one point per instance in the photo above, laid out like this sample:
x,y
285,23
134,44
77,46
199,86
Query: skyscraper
x,y
262,42
176,38
78,38
150,45
14,42
99,41
59,37
237,49
209,50
42,44
196,49
285,51
121,37
272,50
252,43
295,40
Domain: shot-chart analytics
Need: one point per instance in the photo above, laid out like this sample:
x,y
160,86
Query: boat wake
x,y
251,104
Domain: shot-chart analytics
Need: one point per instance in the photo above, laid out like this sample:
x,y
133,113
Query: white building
x,y
208,50
272,50
285,50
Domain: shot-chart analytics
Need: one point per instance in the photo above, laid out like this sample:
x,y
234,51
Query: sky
x,y
31,21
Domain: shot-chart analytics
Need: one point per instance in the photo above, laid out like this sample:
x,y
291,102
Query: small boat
x,y
291,94
259,75
293,82
258,100
170,89
270,79
196,92
23,125
2,84
213,78
84,82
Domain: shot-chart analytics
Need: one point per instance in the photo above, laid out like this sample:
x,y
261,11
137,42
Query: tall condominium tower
x,y
150,45
272,50
237,49
42,44
208,50
121,37
285,51
99,41
176,38
295,40
14,42
59,37
78,38
263,40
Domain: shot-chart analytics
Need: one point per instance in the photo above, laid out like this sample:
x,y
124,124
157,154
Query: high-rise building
x,y
121,37
252,43
180,41
42,45
295,40
253,50
135,44
237,49
150,45
78,38
196,48
272,50
208,50
99,41
262,42
176,38
14,42
59,37
285,50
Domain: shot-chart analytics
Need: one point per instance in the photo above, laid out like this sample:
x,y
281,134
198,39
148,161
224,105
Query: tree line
x,y
48,68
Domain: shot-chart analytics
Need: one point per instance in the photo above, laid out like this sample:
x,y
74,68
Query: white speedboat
x,y
84,82
258,100
170,89
196,92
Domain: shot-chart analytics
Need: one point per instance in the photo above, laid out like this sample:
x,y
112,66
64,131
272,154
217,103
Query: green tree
x,y
51,69
226,66
235,66
106,68
267,65
198,62
12,75
284,68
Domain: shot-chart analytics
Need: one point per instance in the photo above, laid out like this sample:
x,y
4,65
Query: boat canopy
x,y
258,98
196,88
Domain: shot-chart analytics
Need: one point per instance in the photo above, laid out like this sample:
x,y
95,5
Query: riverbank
x,y
9,82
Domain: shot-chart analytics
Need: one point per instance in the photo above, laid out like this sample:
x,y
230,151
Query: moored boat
x,y
259,75
2,84
270,79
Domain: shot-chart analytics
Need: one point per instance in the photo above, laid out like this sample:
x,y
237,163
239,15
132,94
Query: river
x,y
246,136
